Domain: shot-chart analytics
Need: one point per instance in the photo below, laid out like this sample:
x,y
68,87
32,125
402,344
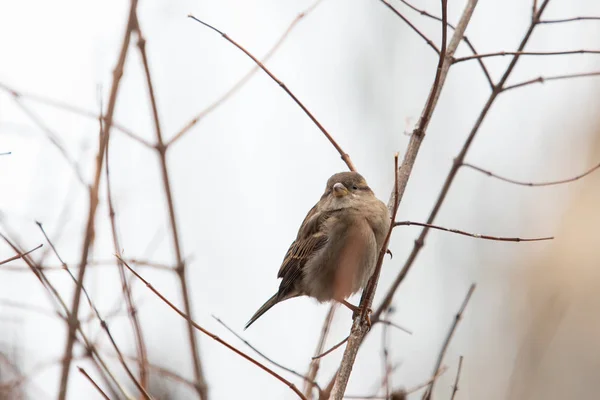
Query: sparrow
x,y
337,246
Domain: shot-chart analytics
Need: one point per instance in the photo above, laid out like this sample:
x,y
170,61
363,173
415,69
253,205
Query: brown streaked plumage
x,y
337,245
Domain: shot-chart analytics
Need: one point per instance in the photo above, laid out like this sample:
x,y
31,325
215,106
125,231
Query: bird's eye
x,y
354,187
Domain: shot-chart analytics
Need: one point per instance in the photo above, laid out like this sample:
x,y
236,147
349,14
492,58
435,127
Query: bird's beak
x,y
339,190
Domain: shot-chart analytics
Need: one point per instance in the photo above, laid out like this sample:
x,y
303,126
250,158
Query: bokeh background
x,y
244,177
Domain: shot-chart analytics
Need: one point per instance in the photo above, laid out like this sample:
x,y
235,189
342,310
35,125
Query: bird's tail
x,y
263,309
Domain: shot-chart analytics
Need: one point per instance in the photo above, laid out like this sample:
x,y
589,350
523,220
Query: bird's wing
x,y
310,239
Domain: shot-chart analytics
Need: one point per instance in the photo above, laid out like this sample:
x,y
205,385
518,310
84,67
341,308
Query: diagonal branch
x,y
215,337
18,256
457,318
344,156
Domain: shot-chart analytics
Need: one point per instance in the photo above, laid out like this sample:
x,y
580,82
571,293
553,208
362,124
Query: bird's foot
x,y
356,311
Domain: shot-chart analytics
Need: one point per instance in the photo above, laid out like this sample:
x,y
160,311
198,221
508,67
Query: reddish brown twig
x,y
533,184
542,79
89,231
457,318
215,337
201,386
464,38
344,155
523,53
413,27
473,235
20,255
333,348
239,84
89,378
455,387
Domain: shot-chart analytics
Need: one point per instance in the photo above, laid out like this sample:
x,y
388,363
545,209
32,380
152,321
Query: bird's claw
x,y
388,251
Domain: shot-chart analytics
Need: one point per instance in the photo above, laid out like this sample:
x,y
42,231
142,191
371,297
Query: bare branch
x,y
20,255
572,19
131,309
542,79
533,184
457,318
420,241
464,38
414,28
103,323
215,337
335,347
523,53
474,235
291,371
315,364
344,155
201,386
89,378
239,84
455,387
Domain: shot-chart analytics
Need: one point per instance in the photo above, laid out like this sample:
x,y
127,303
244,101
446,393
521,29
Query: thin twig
x,y
402,392
71,108
572,19
542,79
103,323
344,155
392,324
89,378
523,53
54,139
333,348
20,255
140,343
457,318
239,84
201,386
464,38
55,298
532,184
215,337
291,371
455,387
6,153
89,231
414,28
473,235
315,364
